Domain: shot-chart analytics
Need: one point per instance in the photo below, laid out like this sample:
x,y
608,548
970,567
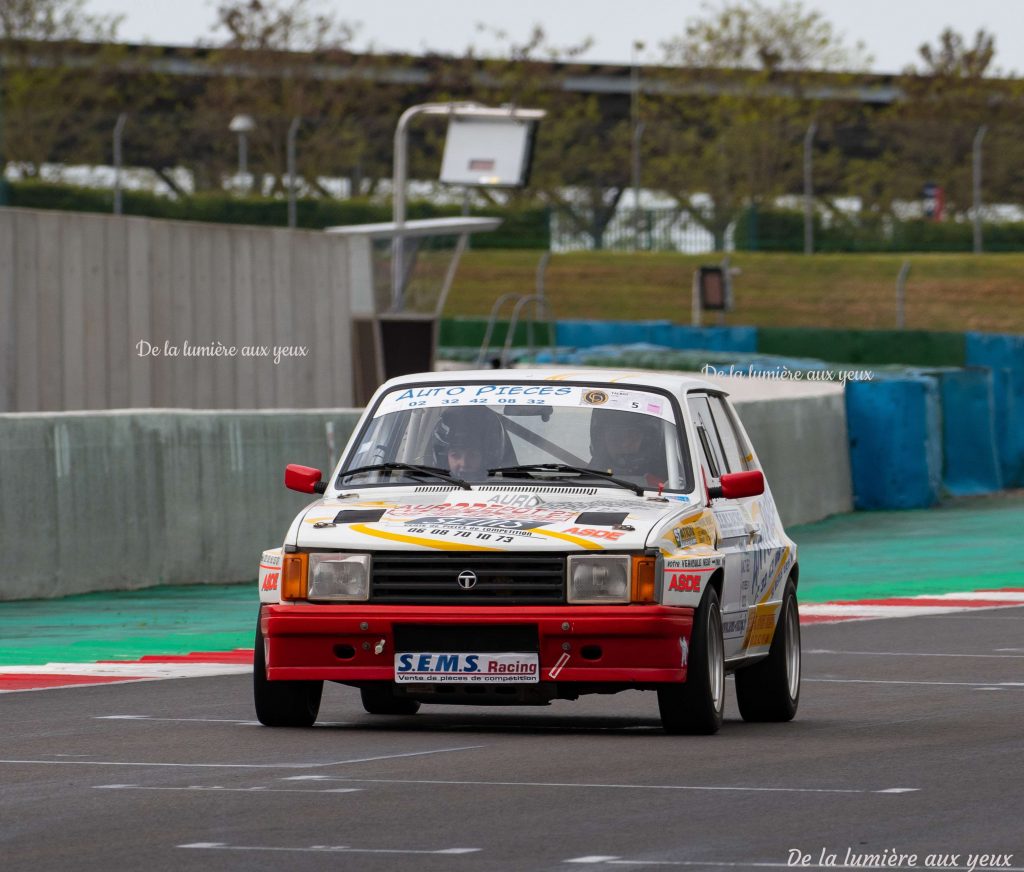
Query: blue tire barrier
x,y
970,457
713,338
1004,355
895,442
586,334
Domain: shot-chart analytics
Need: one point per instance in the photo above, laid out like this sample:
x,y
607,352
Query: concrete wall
x,y
802,444
130,499
125,500
79,293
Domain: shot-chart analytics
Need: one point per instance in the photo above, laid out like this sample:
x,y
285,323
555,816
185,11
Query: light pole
x,y
638,128
293,130
243,125
122,119
978,137
400,172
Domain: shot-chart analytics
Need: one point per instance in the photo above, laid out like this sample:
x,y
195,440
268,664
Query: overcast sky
x,y
891,30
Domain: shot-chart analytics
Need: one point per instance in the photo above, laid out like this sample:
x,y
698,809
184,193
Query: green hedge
x,y
778,230
469,333
521,228
911,347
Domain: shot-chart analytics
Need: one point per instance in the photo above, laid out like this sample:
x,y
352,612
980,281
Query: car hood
x,y
501,519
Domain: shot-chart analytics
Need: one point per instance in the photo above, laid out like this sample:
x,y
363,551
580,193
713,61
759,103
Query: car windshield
x,y
482,433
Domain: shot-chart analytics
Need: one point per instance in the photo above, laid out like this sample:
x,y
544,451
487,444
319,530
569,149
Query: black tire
x,y
379,700
696,706
770,689
282,703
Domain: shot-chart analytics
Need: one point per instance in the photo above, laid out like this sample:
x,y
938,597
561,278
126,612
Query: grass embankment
x,y
851,291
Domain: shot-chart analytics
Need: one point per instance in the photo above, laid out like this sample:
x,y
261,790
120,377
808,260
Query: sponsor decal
x,y
761,627
467,668
476,523
684,581
690,535
731,523
495,395
522,500
488,511
271,558
270,581
734,625
693,562
590,533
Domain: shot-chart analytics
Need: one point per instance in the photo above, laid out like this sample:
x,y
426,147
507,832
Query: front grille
x,y
501,579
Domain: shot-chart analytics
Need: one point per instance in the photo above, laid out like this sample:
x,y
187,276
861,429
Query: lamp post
x,y
242,125
400,172
638,128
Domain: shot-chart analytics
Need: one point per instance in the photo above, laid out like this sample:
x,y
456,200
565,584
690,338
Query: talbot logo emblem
x,y
467,579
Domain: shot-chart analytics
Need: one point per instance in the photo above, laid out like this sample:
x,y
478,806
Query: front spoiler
x,y
635,645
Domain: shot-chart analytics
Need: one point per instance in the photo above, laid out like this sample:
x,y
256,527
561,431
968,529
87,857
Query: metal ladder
x,y
521,300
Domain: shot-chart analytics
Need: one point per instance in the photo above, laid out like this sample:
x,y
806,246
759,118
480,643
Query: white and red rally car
x,y
514,537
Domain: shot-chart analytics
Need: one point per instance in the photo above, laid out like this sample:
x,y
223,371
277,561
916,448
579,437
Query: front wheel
x,y
770,689
696,706
282,703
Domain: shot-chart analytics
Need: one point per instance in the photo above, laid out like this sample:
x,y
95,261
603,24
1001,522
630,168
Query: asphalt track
x,y
908,741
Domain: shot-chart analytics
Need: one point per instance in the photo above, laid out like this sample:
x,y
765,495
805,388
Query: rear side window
x,y
711,454
729,437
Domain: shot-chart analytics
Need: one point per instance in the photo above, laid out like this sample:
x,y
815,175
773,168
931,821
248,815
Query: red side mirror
x,y
742,484
303,479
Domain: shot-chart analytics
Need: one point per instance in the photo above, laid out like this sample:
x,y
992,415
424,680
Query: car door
x,y
772,552
720,452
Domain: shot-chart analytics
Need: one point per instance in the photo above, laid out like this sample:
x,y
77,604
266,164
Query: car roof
x,y
673,382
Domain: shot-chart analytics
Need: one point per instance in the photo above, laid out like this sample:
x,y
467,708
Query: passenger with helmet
x,y
628,444
470,440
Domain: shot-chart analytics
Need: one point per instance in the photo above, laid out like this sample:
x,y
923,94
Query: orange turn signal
x,y
643,580
293,577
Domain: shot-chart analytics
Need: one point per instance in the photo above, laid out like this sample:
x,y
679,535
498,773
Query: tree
x,y
948,96
284,59
51,96
737,100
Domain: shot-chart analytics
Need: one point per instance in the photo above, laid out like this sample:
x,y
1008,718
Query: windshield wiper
x,y
564,467
411,469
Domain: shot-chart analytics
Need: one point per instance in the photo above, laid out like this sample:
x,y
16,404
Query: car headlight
x,y
337,577
603,578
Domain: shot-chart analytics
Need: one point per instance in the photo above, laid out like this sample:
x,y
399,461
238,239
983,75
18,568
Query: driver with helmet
x,y
628,444
468,441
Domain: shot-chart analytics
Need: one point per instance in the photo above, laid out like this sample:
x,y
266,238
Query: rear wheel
x,y
770,690
282,703
378,699
696,706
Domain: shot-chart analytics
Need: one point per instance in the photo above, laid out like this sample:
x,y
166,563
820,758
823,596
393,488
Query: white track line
x,y
599,786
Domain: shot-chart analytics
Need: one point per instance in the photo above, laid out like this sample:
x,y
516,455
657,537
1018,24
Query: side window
x,y
711,450
729,437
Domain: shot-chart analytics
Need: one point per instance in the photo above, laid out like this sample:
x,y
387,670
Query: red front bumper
x,y
633,644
